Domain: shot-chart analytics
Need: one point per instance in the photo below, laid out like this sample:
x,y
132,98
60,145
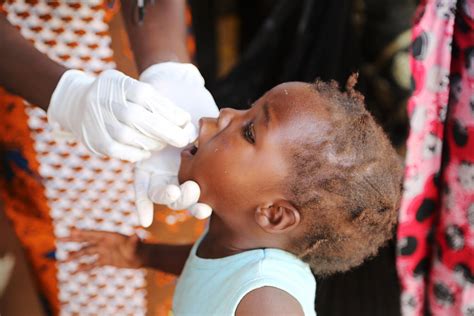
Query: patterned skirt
x,y
436,223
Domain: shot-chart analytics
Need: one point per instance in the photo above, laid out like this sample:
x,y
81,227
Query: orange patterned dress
x,y
48,186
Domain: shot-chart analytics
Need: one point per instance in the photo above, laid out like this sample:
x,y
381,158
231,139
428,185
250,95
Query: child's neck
x,y
223,241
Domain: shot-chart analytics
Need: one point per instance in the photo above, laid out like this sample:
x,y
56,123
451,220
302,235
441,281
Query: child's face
x,y
242,159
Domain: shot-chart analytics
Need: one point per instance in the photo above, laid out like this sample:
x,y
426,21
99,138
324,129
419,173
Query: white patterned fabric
x,y
82,190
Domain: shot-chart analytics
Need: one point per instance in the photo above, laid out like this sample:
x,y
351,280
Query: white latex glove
x,y
115,115
156,178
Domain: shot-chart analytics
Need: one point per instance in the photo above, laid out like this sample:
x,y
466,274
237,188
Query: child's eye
x,y
249,132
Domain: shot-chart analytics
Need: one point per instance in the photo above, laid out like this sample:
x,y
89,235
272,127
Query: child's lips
x,y
190,150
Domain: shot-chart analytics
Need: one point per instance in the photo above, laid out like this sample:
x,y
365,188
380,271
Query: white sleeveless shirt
x,y
216,286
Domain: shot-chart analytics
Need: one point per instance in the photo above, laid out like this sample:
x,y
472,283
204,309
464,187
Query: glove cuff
x,y
185,73
68,93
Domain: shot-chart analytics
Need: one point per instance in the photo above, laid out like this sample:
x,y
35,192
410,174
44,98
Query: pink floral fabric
x,y
435,259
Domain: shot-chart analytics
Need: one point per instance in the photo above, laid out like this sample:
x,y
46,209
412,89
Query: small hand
x,y
109,248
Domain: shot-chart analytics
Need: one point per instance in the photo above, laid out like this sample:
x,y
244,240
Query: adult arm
x,y
161,38
162,35
24,70
112,114
31,74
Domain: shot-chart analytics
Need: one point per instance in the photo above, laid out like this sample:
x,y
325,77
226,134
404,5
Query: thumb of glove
x,y
190,193
164,194
143,203
201,210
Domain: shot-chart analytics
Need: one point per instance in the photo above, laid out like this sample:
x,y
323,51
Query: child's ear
x,y
278,217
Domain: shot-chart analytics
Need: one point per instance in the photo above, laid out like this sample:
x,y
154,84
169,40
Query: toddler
x,y
304,180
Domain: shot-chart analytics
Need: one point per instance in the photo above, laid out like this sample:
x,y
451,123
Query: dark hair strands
x,y
348,187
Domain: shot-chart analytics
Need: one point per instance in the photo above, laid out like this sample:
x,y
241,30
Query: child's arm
x,y
126,252
268,300
167,258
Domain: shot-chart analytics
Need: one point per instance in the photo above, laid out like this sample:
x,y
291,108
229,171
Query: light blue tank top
x,y
216,286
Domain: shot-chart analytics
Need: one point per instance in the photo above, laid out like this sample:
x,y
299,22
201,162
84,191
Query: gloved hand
x,y
115,115
156,177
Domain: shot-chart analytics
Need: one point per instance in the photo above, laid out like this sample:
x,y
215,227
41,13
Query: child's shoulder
x,y
231,278
279,268
276,276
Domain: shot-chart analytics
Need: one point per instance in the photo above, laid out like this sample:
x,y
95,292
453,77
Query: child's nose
x,y
225,117
207,127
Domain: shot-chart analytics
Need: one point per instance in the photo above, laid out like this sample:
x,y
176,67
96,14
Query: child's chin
x,y
183,175
184,171
180,176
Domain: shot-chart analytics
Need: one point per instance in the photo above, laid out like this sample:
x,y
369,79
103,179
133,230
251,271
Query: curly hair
x,y
347,187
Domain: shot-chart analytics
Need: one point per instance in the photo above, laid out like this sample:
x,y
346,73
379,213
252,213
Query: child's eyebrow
x,y
266,114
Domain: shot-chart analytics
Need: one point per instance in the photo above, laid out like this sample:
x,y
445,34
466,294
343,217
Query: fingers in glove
x,y
166,195
164,188
152,125
109,147
143,203
129,136
125,152
190,193
192,132
147,96
200,210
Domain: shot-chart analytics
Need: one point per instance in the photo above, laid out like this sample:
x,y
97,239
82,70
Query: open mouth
x,y
195,147
192,149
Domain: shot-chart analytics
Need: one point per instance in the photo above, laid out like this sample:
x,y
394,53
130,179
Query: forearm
x,y
24,70
167,258
162,35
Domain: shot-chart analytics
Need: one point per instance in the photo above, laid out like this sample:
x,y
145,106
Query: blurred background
x,y
243,48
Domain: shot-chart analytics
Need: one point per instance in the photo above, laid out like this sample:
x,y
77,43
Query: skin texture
x,y
242,166
24,70
126,252
269,301
345,177
242,171
162,35
111,248
32,75
244,182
